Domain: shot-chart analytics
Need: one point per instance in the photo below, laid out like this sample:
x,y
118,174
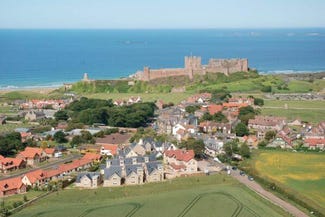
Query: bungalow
x,y
49,152
88,180
92,156
12,186
35,178
314,143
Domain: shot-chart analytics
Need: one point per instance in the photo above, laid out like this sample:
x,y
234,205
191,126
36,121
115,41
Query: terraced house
x,y
132,171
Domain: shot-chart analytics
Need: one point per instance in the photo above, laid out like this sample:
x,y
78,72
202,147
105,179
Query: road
x,y
46,166
265,194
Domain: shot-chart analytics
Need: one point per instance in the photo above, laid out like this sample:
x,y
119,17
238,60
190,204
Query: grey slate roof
x,y
109,172
152,166
90,175
132,168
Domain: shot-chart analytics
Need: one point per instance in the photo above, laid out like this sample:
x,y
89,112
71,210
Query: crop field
x,y
311,111
301,174
216,195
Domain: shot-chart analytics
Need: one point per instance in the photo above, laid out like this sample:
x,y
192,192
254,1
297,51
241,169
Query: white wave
x,y
290,71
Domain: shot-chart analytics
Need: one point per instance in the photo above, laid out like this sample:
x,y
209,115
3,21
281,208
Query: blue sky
x,y
161,13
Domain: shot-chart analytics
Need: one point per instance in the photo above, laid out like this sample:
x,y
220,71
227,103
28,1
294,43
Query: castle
x,y
193,66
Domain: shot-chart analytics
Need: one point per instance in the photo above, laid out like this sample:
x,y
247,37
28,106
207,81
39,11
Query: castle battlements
x,y
193,66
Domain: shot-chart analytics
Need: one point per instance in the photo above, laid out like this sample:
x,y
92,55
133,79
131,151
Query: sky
x,y
157,14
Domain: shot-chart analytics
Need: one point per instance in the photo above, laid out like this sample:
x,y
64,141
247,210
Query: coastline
x,y
47,89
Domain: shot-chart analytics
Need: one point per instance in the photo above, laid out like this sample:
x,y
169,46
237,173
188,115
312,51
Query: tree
x,y
262,144
193,144
266,89
60,137
76,140
192,108
258,101
244,151
241,130
269,135
230,148
246,113
61,115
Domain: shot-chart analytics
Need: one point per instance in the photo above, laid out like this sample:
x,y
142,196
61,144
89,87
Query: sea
x,y
49,58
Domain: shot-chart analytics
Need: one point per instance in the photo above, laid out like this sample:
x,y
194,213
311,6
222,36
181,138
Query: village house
x,y
133,100
154,172
212,109
314,143
262,124
88,180
32,155
11,186
113,176
131,171
214,127
8,164
35,178
200,98
180,162
34,115
108,149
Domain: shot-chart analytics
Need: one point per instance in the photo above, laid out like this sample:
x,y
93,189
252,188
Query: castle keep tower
x,y
192,64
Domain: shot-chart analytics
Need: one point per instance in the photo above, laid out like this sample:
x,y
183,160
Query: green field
x,y
311,111
146,97
216,195
300,174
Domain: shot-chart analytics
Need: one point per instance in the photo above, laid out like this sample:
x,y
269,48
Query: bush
x,y
17,203
266,89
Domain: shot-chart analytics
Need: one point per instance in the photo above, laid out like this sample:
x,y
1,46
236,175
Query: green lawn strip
x,y
301,114
159,199
146,97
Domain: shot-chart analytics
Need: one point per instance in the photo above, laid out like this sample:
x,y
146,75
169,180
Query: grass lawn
x,y
215,195
310,111
8,201
301,174
146,97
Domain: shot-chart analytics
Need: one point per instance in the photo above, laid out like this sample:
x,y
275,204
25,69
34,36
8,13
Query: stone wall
x,y
193,66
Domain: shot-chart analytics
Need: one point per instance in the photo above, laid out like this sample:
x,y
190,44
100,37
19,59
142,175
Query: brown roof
x,y
10,184
114,138
180,155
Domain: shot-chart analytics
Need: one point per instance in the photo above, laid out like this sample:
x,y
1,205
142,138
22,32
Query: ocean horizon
x,y
49,58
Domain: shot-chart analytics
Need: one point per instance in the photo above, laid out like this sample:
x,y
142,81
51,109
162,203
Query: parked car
x,y
242,173
234,168
250,178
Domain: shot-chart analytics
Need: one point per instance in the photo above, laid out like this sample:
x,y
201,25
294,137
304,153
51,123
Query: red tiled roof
x,y
10,184
315,141
36,175
49,150
180,155
111,148
31,152
234,104
212,109
52,173
91,156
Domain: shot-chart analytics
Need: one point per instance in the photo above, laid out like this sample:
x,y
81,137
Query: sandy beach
x,y
41,90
